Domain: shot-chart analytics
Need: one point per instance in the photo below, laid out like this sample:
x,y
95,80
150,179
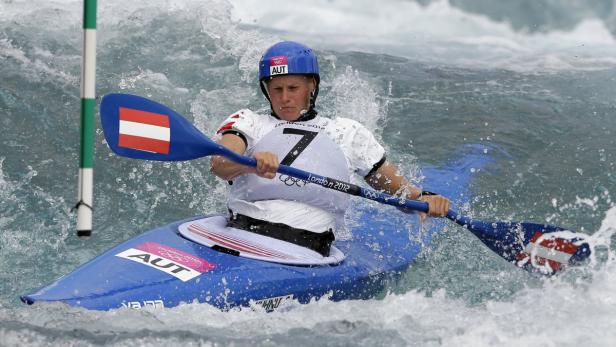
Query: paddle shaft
x,y
487,232
341,186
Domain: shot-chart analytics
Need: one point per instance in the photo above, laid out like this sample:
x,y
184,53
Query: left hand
x,y
438,206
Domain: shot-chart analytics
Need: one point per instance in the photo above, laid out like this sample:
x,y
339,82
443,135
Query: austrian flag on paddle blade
x,y
144,131
556,252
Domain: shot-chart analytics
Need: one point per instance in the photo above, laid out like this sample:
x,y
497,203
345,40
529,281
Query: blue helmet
x,y
289,58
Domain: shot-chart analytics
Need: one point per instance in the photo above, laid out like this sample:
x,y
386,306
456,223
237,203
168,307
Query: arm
x,y
386,178
267,163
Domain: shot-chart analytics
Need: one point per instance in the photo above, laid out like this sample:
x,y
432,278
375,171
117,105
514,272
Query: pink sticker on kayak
x,y
177,256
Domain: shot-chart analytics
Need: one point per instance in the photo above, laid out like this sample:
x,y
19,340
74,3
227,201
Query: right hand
x,y
267,164
438,205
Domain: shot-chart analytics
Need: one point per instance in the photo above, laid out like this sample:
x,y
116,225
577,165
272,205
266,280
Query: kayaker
x,y
283,207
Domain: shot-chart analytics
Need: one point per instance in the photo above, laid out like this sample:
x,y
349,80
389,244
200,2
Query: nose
x,y
285,95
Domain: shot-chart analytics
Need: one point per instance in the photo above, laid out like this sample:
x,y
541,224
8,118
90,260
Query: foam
x,y
577,305
436,32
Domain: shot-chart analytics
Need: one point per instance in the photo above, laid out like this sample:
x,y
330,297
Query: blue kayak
x,y
161,268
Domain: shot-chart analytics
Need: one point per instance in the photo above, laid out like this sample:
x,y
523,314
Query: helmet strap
x,y
265,91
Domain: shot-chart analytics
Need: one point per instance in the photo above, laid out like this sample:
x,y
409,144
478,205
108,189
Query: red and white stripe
x,y
556,251
238,244
145,131
225,127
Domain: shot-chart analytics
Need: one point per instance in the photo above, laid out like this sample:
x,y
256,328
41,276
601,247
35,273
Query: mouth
x,y
287,108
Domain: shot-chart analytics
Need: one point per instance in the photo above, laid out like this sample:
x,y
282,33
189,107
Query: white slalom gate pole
x,y
88,103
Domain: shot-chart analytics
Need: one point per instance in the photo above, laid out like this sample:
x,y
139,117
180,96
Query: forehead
x,y
286,80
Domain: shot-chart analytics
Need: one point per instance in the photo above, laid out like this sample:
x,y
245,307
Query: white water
x,y
437,33
574,309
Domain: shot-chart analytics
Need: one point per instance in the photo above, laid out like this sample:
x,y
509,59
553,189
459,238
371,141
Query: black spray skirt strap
x,y
318,242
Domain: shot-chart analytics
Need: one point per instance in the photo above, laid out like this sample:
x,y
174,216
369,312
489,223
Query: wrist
x,y
421,193
415,194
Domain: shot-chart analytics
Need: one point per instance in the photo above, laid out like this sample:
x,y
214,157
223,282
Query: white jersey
x,y
334,148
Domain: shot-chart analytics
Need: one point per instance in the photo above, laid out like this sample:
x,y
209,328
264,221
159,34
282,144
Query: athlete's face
x,y
290,94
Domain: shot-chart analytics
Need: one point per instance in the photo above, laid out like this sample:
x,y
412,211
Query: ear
x,y
313,85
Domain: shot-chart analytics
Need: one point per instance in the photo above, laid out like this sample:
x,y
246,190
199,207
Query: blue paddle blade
x,y
535,247
139,128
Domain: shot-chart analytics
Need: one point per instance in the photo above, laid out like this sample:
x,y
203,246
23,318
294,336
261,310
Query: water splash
x,y
197,58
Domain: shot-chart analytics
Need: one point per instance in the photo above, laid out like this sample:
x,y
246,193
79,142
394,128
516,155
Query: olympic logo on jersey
x,y
292,181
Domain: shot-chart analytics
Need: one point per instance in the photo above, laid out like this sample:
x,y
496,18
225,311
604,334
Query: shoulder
x,y
244,119
246,115
345,129
346,122
350,125
357,142
247,124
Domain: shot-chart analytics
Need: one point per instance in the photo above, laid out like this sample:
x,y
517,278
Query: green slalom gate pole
x,y
88,103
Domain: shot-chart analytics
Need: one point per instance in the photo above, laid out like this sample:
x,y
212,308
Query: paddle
x,y
139,128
